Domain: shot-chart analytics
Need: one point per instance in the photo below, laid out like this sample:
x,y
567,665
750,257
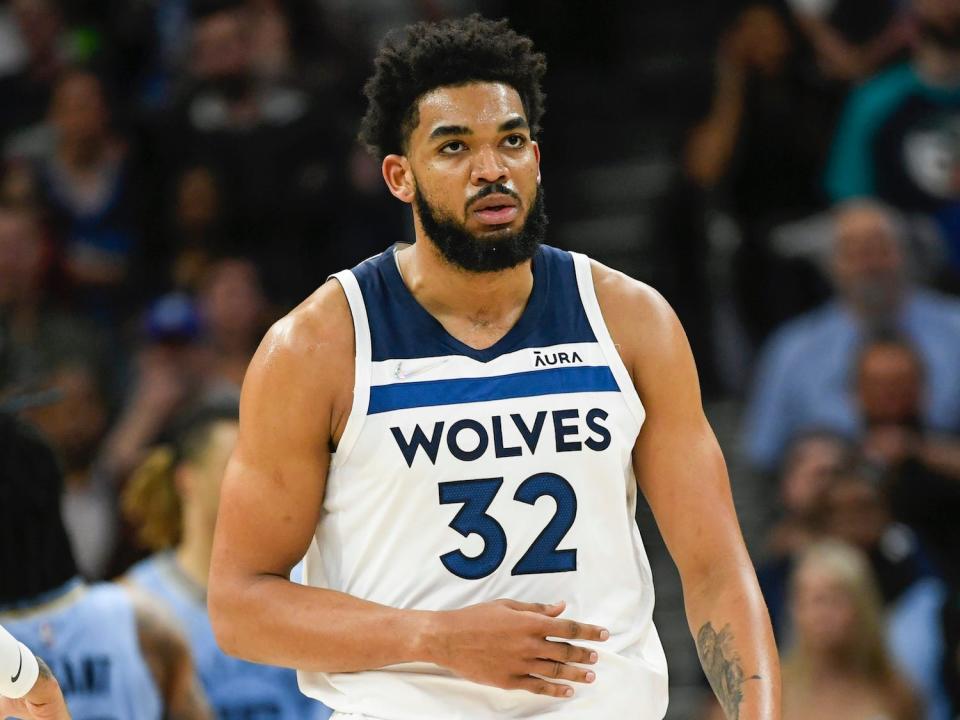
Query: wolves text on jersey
x,y
469,439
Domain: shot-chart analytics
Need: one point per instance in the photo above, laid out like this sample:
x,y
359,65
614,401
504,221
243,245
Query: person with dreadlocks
x,y
455,433
172,499
115,655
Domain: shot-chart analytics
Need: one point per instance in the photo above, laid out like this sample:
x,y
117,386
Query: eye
x,y
515,141
453,147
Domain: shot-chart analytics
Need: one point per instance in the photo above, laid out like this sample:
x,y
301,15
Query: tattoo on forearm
x,y
721,663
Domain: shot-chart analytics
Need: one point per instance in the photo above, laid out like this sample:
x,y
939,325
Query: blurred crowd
x,y
176,174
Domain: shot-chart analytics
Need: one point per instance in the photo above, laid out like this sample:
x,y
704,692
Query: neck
x,y
193,553
474,301
937,66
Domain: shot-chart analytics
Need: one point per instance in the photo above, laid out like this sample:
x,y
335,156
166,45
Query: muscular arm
x,y
681,472
292,407
168,656
296,398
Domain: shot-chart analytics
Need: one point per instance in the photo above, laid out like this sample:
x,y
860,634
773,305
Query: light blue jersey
x,y
88,637
236,689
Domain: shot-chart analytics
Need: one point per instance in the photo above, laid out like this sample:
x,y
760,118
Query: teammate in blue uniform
x,y
115,656
172,499
458,430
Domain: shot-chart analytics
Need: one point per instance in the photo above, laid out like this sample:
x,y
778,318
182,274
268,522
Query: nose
x,y
488,167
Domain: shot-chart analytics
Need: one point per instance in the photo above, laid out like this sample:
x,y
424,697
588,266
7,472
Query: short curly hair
x,y
419,58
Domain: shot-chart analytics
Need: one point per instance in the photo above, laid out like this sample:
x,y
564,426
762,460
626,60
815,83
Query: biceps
x,y
269,511
682,474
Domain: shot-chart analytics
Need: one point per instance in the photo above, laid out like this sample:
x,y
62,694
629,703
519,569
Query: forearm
x,y
274,621
731,626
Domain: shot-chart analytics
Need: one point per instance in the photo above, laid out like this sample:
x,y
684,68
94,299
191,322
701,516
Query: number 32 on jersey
x,y
476,497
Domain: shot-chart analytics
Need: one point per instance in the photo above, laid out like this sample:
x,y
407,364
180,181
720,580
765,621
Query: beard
x,y
465,250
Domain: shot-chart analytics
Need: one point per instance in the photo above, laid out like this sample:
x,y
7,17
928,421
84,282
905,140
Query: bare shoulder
x,y
641,322
318,328
305,363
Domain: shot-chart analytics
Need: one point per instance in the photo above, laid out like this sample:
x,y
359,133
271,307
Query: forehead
x,y
472,106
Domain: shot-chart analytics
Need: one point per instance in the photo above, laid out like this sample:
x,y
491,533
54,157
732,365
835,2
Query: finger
x,y
566,653
556,670
573,630
549,609
542,687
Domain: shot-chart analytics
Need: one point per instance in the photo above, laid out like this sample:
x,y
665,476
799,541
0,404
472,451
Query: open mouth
x,y
497,214
496,209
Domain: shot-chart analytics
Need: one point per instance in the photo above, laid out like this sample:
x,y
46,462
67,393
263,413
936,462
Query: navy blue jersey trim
x,y
400,328
555,381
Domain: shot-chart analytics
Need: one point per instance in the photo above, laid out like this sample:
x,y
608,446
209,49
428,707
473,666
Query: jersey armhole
x,y
361,367
591,306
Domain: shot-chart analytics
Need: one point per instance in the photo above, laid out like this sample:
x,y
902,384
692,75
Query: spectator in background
x,y
811,461
838,667
923,467
172,499
857,510
193,234
169,375
897,139
75,424
851,39
85,182
275,143
770,110
854,509
235,315
806,370
26,91
35,336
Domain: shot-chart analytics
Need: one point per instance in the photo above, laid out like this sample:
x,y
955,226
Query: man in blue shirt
x,y
805,375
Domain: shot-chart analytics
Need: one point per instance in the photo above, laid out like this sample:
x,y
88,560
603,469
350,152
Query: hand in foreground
x,y
43,702
504,643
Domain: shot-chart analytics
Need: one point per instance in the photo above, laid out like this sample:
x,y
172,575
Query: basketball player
x,y
172,499
462,425
43,702
114,655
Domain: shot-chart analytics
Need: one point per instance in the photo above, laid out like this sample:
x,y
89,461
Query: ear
x,y
536,154
399,178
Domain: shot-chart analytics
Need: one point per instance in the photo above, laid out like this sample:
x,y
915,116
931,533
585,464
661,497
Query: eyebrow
x,y
514,124
447,130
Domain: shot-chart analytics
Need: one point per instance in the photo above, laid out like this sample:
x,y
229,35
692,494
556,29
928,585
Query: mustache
x,y
493,189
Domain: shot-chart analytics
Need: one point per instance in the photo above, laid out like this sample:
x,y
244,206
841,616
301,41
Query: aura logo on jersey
x,y
545,359
469,439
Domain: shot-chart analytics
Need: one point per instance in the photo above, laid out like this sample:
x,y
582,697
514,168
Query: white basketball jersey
x,y
468,475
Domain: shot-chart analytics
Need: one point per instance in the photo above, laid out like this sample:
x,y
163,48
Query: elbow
x,y
226,612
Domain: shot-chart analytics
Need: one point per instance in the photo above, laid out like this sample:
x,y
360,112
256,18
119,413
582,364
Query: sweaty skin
x,y
292,417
